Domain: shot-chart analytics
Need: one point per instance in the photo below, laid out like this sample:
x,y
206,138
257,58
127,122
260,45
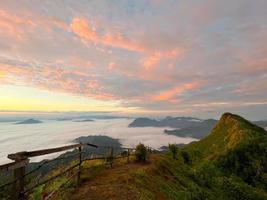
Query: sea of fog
x,y
53,133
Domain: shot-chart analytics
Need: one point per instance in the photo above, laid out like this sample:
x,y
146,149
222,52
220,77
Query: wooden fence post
x,y
128,155
80,166
111,157
19,184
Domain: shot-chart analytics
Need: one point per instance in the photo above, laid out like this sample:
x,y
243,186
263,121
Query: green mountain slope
x,y
230,132
174,180
229,164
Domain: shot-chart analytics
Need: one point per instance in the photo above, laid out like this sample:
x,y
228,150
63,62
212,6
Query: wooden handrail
x,y
28,154
13,165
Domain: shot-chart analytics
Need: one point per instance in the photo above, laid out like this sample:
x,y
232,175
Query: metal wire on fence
x,y
22,160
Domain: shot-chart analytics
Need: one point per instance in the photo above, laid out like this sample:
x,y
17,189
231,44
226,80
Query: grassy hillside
x,y
229,164
169,179
161,178
229,133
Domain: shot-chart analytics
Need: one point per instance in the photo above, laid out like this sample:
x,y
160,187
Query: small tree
x,y
173,149
141,153
186,157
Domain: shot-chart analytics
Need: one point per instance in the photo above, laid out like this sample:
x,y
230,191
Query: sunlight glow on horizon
x,y
21,98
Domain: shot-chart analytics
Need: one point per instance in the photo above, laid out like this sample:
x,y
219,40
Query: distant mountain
x,y
30,121
173,122
197,130
262,123
12,118
84,120
143,122
184,126
99,140
72,155
64,119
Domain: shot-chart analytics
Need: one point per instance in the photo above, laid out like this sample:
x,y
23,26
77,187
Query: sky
x,y
143,57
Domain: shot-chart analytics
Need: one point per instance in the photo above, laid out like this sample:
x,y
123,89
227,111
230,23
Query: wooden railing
x,y
21,160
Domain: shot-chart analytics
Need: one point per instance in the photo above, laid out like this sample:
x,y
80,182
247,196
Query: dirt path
x,y
112,183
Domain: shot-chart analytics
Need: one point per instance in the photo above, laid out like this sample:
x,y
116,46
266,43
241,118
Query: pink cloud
x,y
155,58
150,61
18,26
86,32
111,66
82,28
151,55
10,25
55,79
170,95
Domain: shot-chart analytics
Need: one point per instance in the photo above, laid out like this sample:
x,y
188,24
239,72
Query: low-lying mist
x,y
54,133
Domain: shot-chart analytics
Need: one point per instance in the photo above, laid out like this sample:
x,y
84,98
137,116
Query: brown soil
x,y
111,183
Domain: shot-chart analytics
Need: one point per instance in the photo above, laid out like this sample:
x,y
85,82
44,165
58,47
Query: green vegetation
x,y
141,153
230,132
248,161
186,157
174,150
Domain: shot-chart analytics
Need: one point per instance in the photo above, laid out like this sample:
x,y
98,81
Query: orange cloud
x,y
16,26
9,24
171,94
155,58
82,28
56,79
86,32
111,65
150,61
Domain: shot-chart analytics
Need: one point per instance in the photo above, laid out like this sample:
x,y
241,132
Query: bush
x,y
206,174
141,153
186,157
173,149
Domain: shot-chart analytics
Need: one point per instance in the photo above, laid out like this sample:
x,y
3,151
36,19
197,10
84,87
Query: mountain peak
x,y
233,120
230,116
230,131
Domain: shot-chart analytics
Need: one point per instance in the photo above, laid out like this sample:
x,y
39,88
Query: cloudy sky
x,y
143,57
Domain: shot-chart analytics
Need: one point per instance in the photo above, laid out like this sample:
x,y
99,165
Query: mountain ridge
x,y
229,131
30,121
184,126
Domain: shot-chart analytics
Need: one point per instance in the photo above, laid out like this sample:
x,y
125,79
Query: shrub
x,y
141,153
186,157
173,149
205,175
